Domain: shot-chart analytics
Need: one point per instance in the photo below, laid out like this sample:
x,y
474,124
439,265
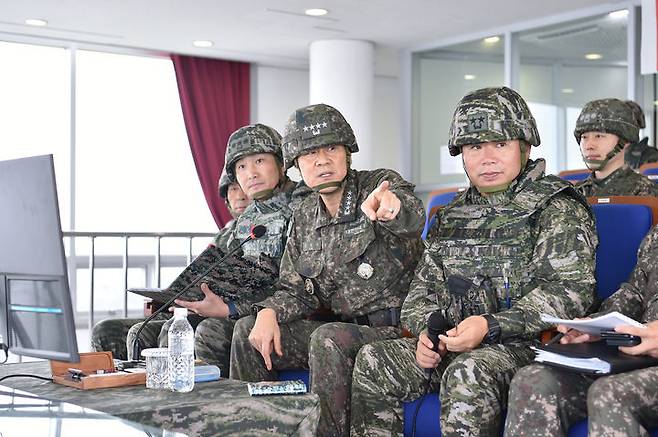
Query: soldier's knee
x,y
132,332
327,336
599,391
102,329
367,359
542,379
242,328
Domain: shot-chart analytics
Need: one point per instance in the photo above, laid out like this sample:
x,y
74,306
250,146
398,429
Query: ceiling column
x,y
342,75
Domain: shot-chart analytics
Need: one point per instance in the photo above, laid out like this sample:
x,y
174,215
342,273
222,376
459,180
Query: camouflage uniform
x,y
537,236
325,267
622,182
639,152
546,401
615,117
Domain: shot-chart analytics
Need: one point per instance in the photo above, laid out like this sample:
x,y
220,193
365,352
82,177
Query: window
x,y
35,110
443,77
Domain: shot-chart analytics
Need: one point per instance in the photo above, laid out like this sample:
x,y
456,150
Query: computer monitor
x,y
36,315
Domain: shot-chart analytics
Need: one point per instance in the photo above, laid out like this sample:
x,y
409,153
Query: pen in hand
x,y
558,337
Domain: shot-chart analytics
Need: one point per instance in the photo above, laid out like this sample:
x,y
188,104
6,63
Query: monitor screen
x,y
36,314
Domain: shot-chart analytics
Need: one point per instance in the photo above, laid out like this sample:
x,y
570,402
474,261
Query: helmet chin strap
x,y
599,164
502,187
264,194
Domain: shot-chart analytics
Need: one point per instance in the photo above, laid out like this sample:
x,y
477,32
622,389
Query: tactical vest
x,y
486,250
274,213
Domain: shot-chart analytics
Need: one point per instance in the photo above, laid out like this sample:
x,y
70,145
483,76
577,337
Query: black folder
x,y
236,279
583,357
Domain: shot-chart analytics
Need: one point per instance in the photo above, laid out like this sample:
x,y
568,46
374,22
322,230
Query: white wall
x,y
279,91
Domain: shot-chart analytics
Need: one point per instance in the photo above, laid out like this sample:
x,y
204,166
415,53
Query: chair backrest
x,y
621,224
437,199
574,176
650,170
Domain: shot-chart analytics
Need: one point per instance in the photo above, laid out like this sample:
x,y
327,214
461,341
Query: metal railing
x,y
75,262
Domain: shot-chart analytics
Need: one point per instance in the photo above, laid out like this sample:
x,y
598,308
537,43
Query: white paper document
x,y
607,322
595,365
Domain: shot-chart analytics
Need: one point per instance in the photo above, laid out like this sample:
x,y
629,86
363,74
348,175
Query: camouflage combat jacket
x,y
622,182
638,298
516,254
224,235
320,267
274,213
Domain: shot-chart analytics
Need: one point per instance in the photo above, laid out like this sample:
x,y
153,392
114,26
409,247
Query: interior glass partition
x,y
442,78
564,66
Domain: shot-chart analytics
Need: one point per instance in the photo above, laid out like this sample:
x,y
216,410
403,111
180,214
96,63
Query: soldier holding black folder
x,y
545,400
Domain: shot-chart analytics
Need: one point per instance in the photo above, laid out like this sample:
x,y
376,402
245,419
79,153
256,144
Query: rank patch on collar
x,y
310,130
477,122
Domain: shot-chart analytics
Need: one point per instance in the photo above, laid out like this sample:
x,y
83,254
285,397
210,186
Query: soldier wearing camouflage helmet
x,y
546,401
516,244
604,130
254,160
639,153
236,199
351,252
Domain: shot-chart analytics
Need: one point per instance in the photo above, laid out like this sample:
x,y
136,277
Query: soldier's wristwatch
x,y
493,335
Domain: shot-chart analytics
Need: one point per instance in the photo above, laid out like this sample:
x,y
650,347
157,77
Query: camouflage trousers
x,y
472,387
110,334
118,335
212,339
545,401
328,350
212,342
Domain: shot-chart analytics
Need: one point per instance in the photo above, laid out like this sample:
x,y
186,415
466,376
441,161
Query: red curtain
x,y
214,96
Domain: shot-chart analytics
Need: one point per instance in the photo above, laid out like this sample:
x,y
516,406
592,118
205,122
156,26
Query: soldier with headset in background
x,y
604,130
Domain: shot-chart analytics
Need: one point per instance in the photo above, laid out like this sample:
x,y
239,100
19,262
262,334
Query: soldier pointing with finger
x,y
352,249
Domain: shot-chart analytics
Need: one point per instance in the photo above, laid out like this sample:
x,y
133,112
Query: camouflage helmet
x,y
491,114
315,126
224,182
610,116
638,114
248,140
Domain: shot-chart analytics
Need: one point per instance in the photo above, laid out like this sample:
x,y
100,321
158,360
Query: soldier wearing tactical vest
x,y
604,129
640,152
352,250
113,334
516,244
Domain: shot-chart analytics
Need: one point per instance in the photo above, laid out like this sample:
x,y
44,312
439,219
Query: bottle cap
x,y
180,312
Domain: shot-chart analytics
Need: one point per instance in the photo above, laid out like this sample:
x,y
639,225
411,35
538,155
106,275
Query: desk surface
x,y
213,408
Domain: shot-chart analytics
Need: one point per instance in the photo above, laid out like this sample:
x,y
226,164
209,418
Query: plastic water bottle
x,y
181,352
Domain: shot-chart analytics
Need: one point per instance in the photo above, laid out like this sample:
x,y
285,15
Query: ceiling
x,y
271,32
566,42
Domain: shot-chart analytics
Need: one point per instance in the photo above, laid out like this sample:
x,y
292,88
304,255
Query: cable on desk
x,y
25,375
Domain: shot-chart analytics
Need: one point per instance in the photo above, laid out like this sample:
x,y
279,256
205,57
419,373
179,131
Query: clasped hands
x,y
465,337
